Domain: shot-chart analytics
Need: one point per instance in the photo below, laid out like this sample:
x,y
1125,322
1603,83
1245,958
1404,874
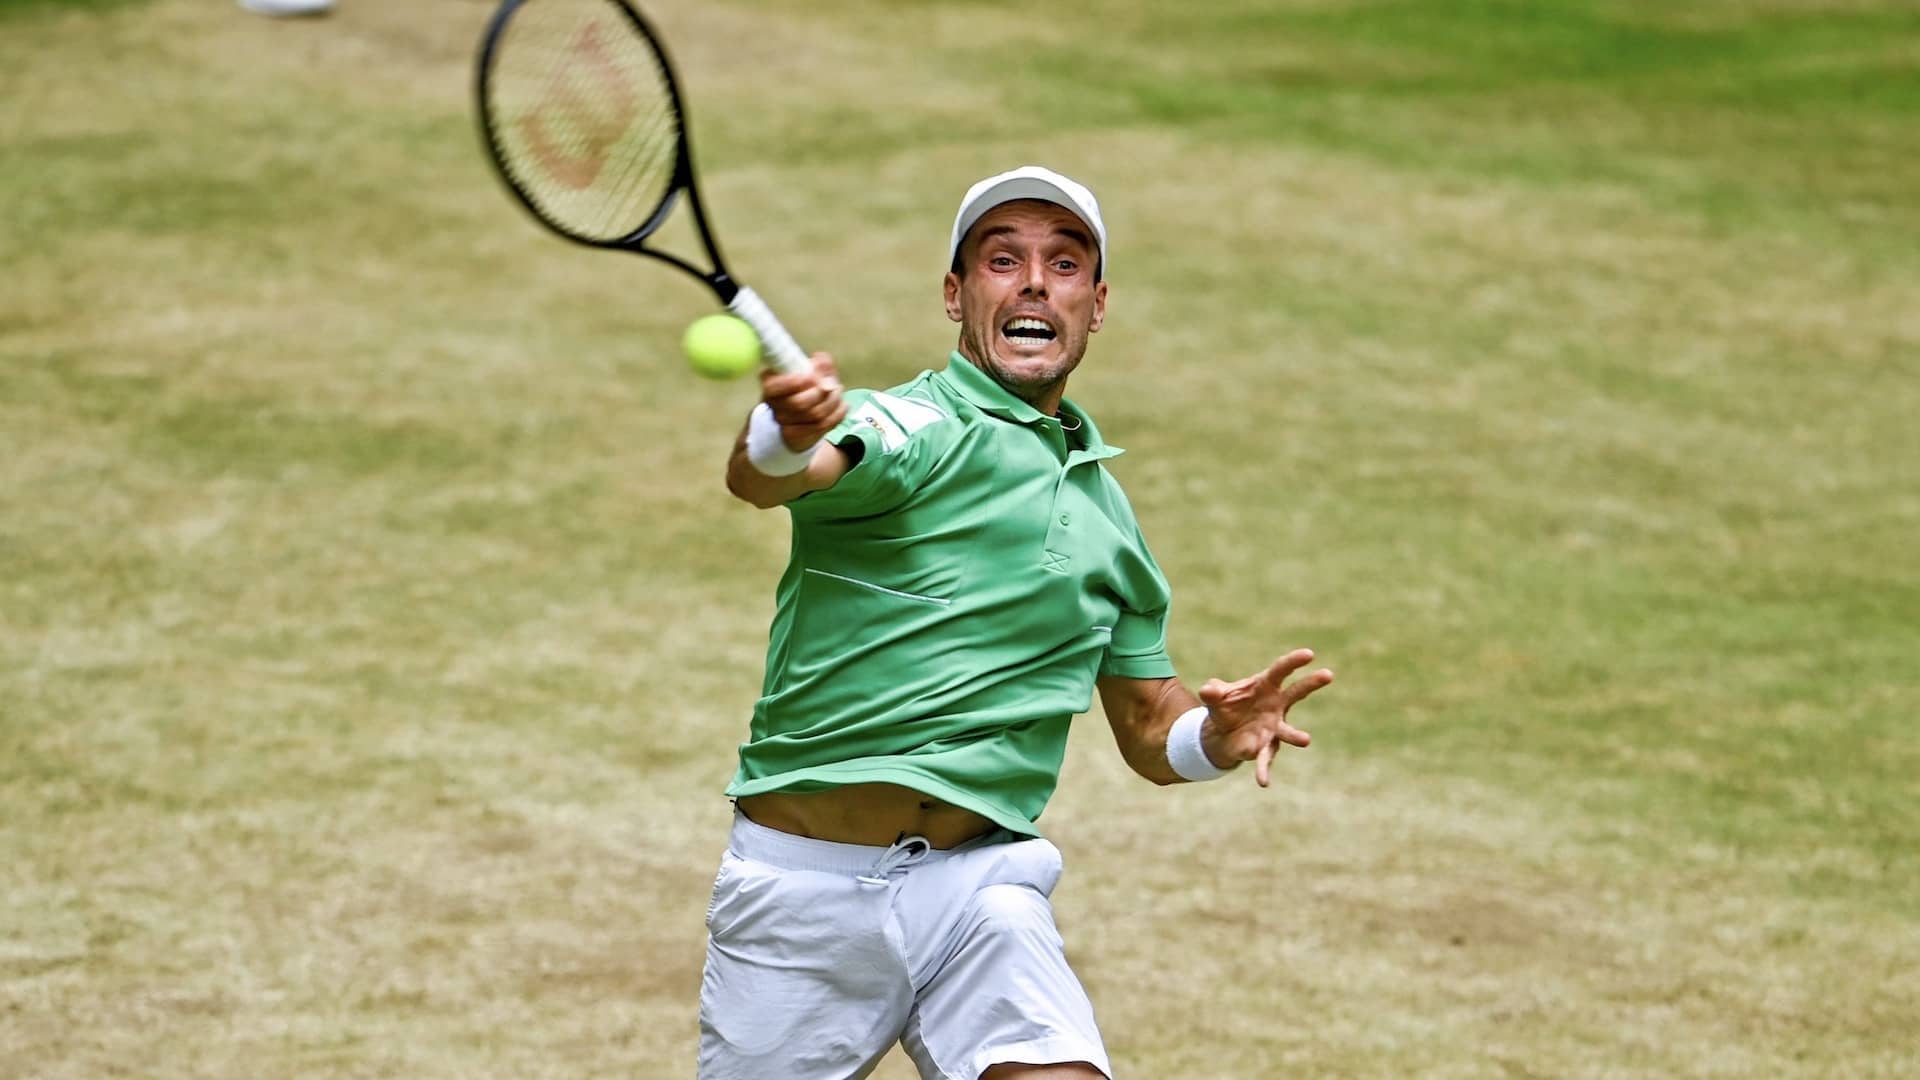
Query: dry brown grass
x,y
374,633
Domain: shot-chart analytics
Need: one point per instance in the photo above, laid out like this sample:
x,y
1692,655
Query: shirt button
x,y
1066,519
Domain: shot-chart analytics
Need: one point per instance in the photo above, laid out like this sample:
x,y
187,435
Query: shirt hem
x,y
1155,668
840,776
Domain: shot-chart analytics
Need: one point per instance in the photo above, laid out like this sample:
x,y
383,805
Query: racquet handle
x,y
783,353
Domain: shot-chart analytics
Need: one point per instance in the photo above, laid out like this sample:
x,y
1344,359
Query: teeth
x,y
1029,325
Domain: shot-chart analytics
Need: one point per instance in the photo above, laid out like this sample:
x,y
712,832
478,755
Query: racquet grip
x,y
783,353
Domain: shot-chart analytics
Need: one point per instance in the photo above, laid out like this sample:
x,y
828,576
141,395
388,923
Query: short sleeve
x,y
1138,649
896,456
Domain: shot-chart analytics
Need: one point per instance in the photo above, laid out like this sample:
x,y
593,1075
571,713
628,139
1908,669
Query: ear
x,y
1099,308
952,291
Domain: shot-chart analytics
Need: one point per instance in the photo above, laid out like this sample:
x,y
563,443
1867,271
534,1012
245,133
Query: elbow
x,y
734,486
758,496
1155,772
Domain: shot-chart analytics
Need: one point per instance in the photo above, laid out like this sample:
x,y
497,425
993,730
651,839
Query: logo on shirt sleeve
x,y
895,418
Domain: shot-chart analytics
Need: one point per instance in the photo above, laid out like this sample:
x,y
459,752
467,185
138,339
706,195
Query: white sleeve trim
x,y
894,418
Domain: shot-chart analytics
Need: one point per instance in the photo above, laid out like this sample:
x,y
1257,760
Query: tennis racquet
x,y
583,119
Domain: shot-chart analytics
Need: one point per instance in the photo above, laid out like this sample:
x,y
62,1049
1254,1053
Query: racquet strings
x,y
582,117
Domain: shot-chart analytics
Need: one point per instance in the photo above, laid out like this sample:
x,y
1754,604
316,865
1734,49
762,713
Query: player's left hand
x,y
1247,720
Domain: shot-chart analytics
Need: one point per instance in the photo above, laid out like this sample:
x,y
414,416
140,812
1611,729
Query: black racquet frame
x,y
780,349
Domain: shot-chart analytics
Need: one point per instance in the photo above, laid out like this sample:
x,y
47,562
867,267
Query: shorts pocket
x,y
750,899
727,863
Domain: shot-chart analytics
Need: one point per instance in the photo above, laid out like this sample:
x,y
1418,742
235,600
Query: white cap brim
x,y
1029,182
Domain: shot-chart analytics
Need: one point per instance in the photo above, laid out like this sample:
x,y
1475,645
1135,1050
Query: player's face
x,y
1027,298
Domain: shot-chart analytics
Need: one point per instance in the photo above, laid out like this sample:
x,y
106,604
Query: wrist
x,y
767,449
1186,748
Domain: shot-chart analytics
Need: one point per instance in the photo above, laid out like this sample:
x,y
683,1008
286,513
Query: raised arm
x,y
774,459
1242,721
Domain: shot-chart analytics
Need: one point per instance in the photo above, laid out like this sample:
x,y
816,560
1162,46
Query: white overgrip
x,y
783,353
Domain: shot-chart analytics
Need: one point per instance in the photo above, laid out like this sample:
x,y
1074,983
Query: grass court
x,y
375,630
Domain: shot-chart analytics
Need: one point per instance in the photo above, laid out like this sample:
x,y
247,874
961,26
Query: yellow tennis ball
x,y
721,347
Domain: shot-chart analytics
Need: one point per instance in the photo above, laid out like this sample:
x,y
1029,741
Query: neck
x,y
1047,402
1045,398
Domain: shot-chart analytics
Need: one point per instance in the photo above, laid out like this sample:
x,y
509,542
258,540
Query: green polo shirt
x,y
951,600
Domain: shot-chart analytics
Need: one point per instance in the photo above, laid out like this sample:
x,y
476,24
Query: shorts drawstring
x,y
902,853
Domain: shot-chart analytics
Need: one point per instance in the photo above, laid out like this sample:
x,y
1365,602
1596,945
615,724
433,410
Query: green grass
x,y
375,632
41,7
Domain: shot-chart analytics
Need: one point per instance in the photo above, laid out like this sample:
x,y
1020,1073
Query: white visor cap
x,y
1030,182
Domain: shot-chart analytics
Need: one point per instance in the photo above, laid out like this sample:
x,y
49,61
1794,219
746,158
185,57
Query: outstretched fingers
x,y
1283,732
1274,680
1302,688
1250,714
1263,764
1276,674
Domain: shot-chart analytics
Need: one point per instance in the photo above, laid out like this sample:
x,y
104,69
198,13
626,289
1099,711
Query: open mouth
x,y
1027,330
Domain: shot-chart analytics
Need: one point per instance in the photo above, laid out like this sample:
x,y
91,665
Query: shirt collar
x,y
980,388
989,396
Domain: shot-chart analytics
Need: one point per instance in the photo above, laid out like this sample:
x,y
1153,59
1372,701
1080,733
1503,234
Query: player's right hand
x,y
807,404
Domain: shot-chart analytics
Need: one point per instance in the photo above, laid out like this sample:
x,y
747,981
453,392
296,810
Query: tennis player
x,y
965,573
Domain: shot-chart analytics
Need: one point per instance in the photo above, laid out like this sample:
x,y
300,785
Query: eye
x,y
1066,266
1001,262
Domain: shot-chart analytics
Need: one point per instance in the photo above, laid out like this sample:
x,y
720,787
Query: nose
x,y
1036,284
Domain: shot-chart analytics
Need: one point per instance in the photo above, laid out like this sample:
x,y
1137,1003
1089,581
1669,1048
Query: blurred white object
x,y
288,7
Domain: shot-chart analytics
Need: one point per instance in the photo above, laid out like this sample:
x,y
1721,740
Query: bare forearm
x,y
1141,713
751,485
1244,720
796,411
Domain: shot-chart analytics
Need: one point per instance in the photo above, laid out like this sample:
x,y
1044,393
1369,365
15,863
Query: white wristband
x,y
1184,752
767,448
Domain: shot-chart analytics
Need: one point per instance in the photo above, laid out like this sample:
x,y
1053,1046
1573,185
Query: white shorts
x,y
820,956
